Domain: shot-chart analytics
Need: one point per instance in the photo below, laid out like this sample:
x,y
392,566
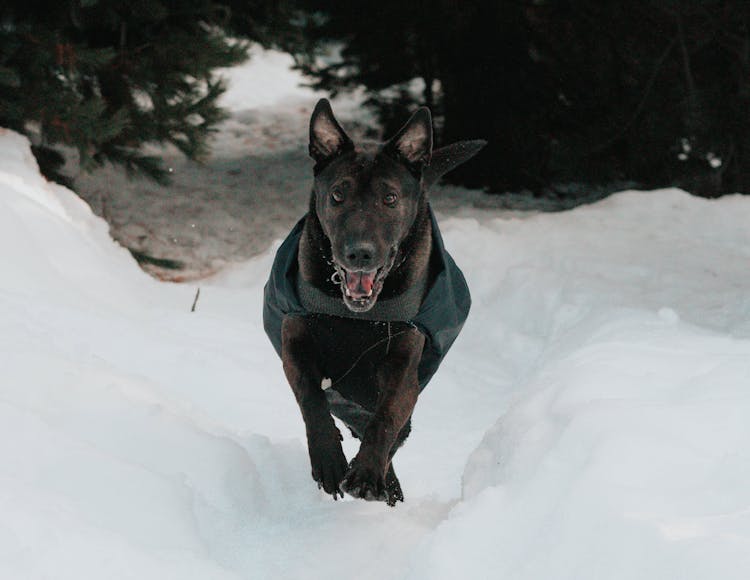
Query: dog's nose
x,y
360,255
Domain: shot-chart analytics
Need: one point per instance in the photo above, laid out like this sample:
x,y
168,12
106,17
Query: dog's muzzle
x,y
360,288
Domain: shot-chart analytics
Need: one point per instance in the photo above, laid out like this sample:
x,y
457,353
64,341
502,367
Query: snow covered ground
x,y
592,421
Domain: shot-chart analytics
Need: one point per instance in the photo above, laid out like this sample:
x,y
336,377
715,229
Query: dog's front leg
x,y
299,357
398,389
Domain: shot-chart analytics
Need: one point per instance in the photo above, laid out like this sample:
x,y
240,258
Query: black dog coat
x,y
439,317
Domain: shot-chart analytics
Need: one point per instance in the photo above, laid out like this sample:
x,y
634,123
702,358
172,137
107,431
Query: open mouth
x,y
360,288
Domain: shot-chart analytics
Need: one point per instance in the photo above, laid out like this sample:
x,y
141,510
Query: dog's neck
x,y
315,258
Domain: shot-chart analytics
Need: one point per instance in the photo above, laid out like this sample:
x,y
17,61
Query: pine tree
x,y
107,77
468,61
654,92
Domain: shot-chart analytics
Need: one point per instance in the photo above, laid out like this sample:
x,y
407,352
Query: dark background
x,y
567,93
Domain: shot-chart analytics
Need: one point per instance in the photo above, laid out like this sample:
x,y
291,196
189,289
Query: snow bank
x,y
52,242
625,448
106,470
591,422
624,456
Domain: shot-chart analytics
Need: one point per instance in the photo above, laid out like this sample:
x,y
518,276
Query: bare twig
x,y
195,302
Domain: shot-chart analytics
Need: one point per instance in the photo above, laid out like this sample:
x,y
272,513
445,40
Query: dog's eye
x,y
337,196
390,199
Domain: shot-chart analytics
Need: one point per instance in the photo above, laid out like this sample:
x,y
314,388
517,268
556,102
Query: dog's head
x,y
367,197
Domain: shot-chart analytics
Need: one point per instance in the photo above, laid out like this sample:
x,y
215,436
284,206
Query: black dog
x,y
363,301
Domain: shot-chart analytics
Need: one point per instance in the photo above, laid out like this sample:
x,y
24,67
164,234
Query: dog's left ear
x,y
448,158
413,143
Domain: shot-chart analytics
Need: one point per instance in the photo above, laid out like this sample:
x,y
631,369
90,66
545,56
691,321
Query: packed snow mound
x,y
592,421
53,243
621,457
621,452
106,471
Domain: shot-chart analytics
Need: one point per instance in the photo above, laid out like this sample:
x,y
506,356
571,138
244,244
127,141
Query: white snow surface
x,y
592,421
275,68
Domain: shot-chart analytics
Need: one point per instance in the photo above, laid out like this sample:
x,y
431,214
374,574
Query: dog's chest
x,y
349,349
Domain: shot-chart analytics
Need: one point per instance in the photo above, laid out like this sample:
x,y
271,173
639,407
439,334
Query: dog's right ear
x,y
327,138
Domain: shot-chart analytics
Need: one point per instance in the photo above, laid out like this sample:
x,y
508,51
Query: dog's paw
x,y
328,465
364,481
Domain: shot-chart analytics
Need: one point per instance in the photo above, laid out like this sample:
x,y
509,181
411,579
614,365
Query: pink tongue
x,y
360,284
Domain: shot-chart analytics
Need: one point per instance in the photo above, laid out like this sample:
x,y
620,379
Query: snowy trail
x,y
592,421
255,184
